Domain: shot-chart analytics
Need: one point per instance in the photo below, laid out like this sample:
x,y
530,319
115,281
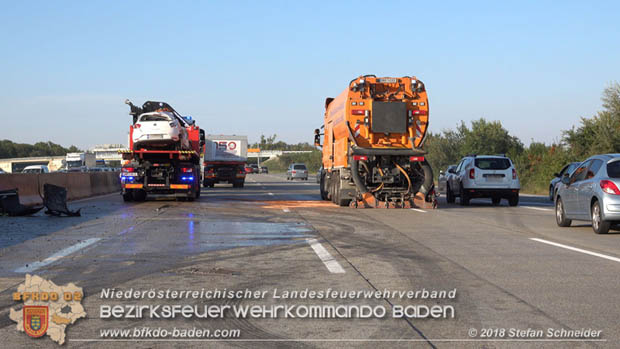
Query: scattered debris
x,y
9,204
55,200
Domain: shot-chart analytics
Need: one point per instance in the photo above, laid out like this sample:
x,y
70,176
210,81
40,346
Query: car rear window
x,y
492,163
154,118
299,167
613,169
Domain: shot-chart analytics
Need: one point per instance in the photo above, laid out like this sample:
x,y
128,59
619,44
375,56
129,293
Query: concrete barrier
x,y
26,184
79,185
103,183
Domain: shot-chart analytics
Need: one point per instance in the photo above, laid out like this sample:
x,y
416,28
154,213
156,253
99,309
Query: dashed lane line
x,y
537,208
595,254
330,262
56,256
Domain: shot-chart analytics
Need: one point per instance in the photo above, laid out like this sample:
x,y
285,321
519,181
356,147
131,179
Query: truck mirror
x,y
317,140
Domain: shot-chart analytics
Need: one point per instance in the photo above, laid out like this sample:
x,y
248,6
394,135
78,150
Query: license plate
x,y
154,136
387,80
130,174
494,179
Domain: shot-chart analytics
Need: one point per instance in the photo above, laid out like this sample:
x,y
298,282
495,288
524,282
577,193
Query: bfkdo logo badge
x,y
36,320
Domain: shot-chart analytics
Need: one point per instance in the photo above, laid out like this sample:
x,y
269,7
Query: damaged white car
x,y
159,129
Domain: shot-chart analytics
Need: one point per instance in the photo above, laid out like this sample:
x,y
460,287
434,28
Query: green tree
x,y
9,149
601,133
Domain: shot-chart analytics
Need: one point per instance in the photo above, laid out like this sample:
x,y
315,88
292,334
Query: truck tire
x,y
332,189
324,194
342,202
139,195
127,196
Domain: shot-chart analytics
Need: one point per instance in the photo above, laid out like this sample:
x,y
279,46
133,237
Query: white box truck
x,y
80,162
224,160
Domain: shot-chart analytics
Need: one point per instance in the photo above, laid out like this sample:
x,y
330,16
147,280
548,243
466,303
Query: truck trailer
x,y
372,144
162,172
224,160
80,162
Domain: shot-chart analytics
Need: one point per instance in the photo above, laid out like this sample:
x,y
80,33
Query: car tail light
x,y
136,126
186,169
609,187
418,112
358,112
514,174
128,169
360,157
293,172
416,159
472,173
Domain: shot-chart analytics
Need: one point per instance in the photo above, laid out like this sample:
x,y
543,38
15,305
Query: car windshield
x,y
613,169
154,117
492,163
72,164
299,167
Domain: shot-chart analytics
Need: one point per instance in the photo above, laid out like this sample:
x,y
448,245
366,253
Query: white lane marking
x,y
578,250
418,210
286,210
330,262
56,256
270,194
537,208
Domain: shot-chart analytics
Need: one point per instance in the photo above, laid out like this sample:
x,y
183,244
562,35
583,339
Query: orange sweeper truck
x,y
373,135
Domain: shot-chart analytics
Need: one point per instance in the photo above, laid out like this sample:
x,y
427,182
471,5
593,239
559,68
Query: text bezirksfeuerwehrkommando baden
x,y
305,311
329,293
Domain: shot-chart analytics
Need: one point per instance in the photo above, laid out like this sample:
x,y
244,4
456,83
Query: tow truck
x,y
162,172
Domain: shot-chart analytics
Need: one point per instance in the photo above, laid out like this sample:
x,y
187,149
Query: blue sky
x,y
265,67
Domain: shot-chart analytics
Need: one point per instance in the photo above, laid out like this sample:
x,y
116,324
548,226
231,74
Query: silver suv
x,y
591,193
484,176
297,171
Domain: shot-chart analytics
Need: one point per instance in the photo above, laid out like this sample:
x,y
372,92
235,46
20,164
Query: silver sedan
x,y
442,181
591,193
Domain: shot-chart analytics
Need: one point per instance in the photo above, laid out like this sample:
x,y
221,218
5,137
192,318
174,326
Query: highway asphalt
x,y
513,268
